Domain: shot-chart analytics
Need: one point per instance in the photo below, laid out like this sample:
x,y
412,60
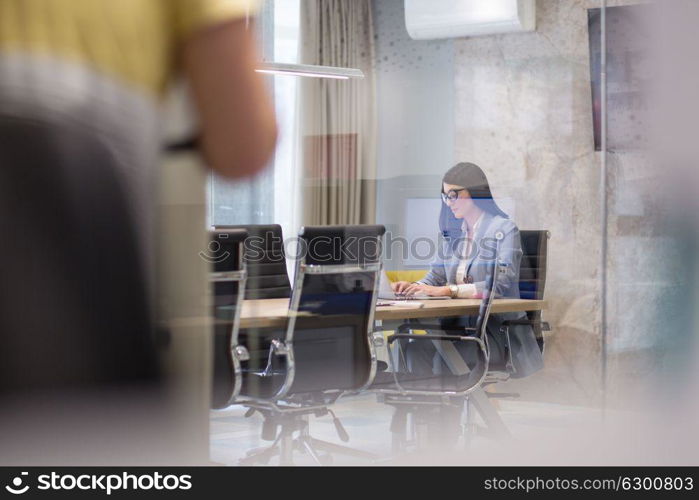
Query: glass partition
x,y
545,132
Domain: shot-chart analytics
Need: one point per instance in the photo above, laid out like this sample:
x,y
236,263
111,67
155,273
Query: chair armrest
x,y
425,326
276,347
505,329
429,336
428,391
545,326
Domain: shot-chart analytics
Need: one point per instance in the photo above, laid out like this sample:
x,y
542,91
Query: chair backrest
x,y
332,310
225,253
457,381
480,363
265,261
487,299
532,273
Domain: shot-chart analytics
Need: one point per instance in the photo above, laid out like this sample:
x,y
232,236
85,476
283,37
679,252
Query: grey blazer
x,y
526,355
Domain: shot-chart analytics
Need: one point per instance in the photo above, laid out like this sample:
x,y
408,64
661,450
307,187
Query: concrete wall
x,y
523,113
415,109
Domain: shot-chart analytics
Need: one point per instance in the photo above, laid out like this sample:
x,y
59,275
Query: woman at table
x,y
469,221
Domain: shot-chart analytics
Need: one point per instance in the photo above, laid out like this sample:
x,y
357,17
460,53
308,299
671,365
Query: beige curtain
x,y
337,118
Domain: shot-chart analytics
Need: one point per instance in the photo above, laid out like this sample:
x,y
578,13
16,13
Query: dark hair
x,y
471,177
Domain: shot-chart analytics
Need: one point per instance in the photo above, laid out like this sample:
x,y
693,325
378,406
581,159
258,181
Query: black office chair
x,y
267,278
432,402
225,253
265,261
532,280
531,284
326,350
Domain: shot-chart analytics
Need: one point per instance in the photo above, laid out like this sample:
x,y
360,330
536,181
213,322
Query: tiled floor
x,y
367,422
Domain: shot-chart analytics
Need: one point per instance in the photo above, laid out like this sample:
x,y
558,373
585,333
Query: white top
x,y
466,290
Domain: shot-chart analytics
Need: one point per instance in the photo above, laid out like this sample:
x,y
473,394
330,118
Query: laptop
x,y
386,293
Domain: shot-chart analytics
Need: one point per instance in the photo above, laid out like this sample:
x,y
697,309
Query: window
x,y
270,197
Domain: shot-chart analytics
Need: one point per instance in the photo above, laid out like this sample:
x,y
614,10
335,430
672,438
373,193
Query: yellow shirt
x,y
135,41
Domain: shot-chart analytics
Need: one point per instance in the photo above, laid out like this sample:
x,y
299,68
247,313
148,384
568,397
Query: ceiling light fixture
x,y
310,70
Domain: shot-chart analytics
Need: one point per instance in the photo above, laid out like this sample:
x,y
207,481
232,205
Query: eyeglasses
x,y
451,195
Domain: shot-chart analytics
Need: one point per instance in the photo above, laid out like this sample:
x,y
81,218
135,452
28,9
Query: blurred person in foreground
x,y
81,83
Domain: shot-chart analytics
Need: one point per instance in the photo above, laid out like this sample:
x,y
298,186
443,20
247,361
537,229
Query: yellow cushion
x,y
386,333
406,275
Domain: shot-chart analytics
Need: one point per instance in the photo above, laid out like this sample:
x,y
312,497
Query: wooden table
x,y
270,313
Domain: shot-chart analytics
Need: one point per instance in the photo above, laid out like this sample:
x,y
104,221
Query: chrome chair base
x,y
285,444
427,423
431,422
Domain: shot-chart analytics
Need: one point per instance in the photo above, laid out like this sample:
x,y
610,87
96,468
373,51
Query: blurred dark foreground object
x,y
79,376
74,311
81,87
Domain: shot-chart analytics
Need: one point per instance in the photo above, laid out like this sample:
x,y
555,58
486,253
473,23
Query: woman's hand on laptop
x,y
407,288
400,286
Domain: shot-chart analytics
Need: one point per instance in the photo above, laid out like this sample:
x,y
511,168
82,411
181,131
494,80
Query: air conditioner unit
x,y
429,19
